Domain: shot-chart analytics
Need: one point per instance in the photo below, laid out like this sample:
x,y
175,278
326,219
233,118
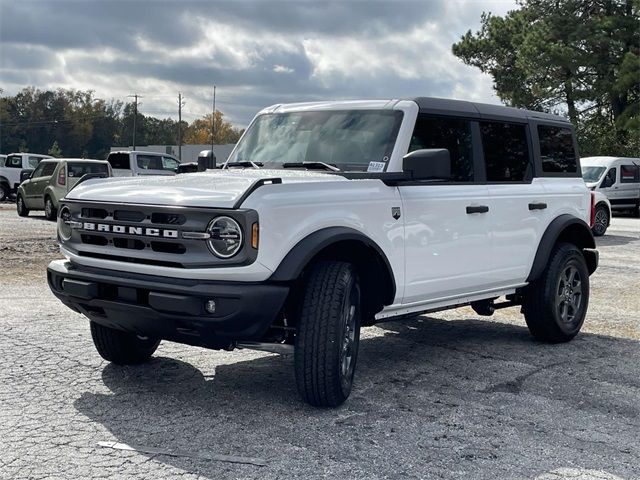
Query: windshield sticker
x,y
376,167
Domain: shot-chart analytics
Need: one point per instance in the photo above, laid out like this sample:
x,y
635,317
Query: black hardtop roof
x,y
463,108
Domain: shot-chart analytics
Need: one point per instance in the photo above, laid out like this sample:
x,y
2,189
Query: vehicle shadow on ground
x,y
430,395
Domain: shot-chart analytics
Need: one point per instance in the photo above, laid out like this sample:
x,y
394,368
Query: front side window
x,y
449,133
78,169
506,151
38,171
14,161
629,174
169,163
149,162
610,178
556,150
348,140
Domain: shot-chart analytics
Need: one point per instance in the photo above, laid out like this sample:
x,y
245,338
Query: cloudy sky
x,y
257,52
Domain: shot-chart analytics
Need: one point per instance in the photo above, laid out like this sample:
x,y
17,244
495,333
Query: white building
x,y
189,152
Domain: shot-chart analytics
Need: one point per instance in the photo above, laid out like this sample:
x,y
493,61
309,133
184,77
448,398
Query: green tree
x,y
55,151
576,56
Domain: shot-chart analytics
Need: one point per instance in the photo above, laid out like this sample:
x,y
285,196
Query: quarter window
x,y
452,134
556,150
629,174
506,151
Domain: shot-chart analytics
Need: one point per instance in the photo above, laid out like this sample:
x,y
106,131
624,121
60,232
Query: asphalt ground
x,y
448,395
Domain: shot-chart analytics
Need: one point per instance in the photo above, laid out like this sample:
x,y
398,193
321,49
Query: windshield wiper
x,y
243,163
310,165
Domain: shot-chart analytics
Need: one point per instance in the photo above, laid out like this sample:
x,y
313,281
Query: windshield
x,y
592,174
349,140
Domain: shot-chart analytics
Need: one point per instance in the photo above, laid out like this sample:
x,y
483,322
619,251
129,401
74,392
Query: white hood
x,y
213,188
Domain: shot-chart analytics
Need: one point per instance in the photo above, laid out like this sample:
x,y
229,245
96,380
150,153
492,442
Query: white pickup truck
x,y
131,163
331,216
11,174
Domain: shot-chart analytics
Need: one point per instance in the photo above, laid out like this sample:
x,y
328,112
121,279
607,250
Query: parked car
x,y
616,177
601,214
331,216
52,180
132,163
11,173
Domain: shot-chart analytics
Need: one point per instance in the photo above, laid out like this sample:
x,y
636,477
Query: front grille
x,y
151,235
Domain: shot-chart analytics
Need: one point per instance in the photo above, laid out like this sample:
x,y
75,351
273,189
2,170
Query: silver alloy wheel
x,y
569,294
48,207
601,221
348,347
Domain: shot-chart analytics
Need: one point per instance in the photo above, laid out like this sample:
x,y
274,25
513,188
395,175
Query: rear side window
x,y
629,174
452,134
506,151
47,169
556,150
76,169
150,162
119,160
14,161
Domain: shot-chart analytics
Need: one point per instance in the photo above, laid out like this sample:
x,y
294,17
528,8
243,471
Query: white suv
x,y
331,216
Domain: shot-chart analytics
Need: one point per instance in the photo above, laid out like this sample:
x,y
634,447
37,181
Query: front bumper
x,y
169,308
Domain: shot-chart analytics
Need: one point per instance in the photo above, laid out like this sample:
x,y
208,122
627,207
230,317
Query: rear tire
x,y
121,347
602,220
328,334
50,211
22,209
555,305
4,192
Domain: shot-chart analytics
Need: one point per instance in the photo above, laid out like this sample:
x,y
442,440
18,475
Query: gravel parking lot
x,y
449,395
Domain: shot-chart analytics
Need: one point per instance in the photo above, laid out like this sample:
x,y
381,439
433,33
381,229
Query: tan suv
x,y
51,181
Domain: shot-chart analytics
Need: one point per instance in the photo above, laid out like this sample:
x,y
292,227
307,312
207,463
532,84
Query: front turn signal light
x,y
255,232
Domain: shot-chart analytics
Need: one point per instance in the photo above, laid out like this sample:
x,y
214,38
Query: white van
x,y
131,163
617,177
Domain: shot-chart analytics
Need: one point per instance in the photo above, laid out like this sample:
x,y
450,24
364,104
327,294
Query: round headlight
x,y
226,237
64,229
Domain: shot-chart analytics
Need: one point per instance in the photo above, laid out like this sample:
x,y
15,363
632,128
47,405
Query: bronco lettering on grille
x,y
142,231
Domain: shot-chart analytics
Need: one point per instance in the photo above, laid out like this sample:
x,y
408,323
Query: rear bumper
x,y
169,308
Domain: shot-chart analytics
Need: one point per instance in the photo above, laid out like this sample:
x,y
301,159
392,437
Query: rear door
x,y
447,244
518,202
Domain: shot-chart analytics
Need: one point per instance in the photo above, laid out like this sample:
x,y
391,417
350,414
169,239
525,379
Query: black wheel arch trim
x,y
584,240
306,249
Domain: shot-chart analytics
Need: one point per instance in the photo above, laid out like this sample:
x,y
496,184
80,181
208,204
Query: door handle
x,y
537,206
477,209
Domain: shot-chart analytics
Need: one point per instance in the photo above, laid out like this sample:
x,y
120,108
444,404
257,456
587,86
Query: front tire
x,y
50,211
328,334
601,221
120,347
555,305
22,209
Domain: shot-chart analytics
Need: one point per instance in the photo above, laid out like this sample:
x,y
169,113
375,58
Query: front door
x,y
447,240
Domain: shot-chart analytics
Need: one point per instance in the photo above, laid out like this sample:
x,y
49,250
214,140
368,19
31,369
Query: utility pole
x,y
180,105
135,96
213,120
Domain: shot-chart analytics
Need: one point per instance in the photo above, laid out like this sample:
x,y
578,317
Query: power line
x,y
135,115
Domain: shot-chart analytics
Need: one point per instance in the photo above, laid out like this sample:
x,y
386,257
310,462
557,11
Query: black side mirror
x,y
25,175
428,164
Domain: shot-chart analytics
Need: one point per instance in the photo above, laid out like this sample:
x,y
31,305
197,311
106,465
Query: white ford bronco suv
x,y
328,217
